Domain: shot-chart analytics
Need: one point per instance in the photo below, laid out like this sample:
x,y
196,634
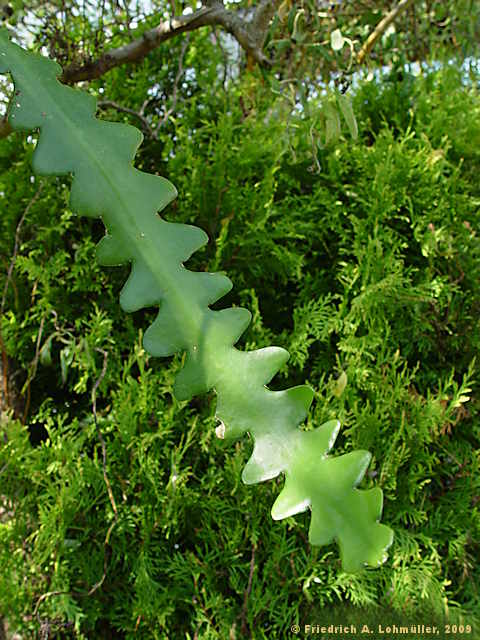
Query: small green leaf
x,y
337,40
340,385
347,111
332,124
460,400
291,19
46,353
323,51
66,359
283,44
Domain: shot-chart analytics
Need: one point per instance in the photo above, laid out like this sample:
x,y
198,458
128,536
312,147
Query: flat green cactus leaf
x,y
327,483
105,184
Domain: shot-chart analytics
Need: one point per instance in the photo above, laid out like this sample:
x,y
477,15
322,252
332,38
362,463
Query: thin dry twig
x,y
43,597
247,591
99,433
5,399
5,392
17,242
6,264
33,371
179,74
105,475
5,127
138,114
224,56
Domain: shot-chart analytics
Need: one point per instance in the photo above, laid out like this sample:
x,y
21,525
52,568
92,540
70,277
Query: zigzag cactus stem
x,y
105,184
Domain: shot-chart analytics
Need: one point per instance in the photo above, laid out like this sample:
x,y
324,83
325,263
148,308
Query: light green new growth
x,y
105,184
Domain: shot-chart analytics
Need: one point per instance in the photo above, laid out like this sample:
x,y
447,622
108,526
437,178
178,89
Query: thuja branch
x,y
99,155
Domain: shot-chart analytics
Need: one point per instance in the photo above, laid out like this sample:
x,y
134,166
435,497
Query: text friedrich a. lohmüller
x,y
386,629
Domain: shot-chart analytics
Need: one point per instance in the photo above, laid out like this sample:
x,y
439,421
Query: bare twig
x,y
127,15
175,85
17,242
5,127
381,27
43,597
224,55
11,266
105,476
5,399
138,114
144,106
99,433
12,281
32,372
247,591
5,393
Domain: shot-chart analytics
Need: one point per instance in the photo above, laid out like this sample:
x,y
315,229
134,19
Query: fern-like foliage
x,y
105,184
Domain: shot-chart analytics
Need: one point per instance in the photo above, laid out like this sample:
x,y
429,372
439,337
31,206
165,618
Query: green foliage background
x,y
358,257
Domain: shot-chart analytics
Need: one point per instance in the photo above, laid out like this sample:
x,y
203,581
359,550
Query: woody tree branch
x,y
258,28
250,32
380,29
250,35
5,128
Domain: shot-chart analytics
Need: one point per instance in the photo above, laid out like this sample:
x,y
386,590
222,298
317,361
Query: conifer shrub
x,y
361,258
